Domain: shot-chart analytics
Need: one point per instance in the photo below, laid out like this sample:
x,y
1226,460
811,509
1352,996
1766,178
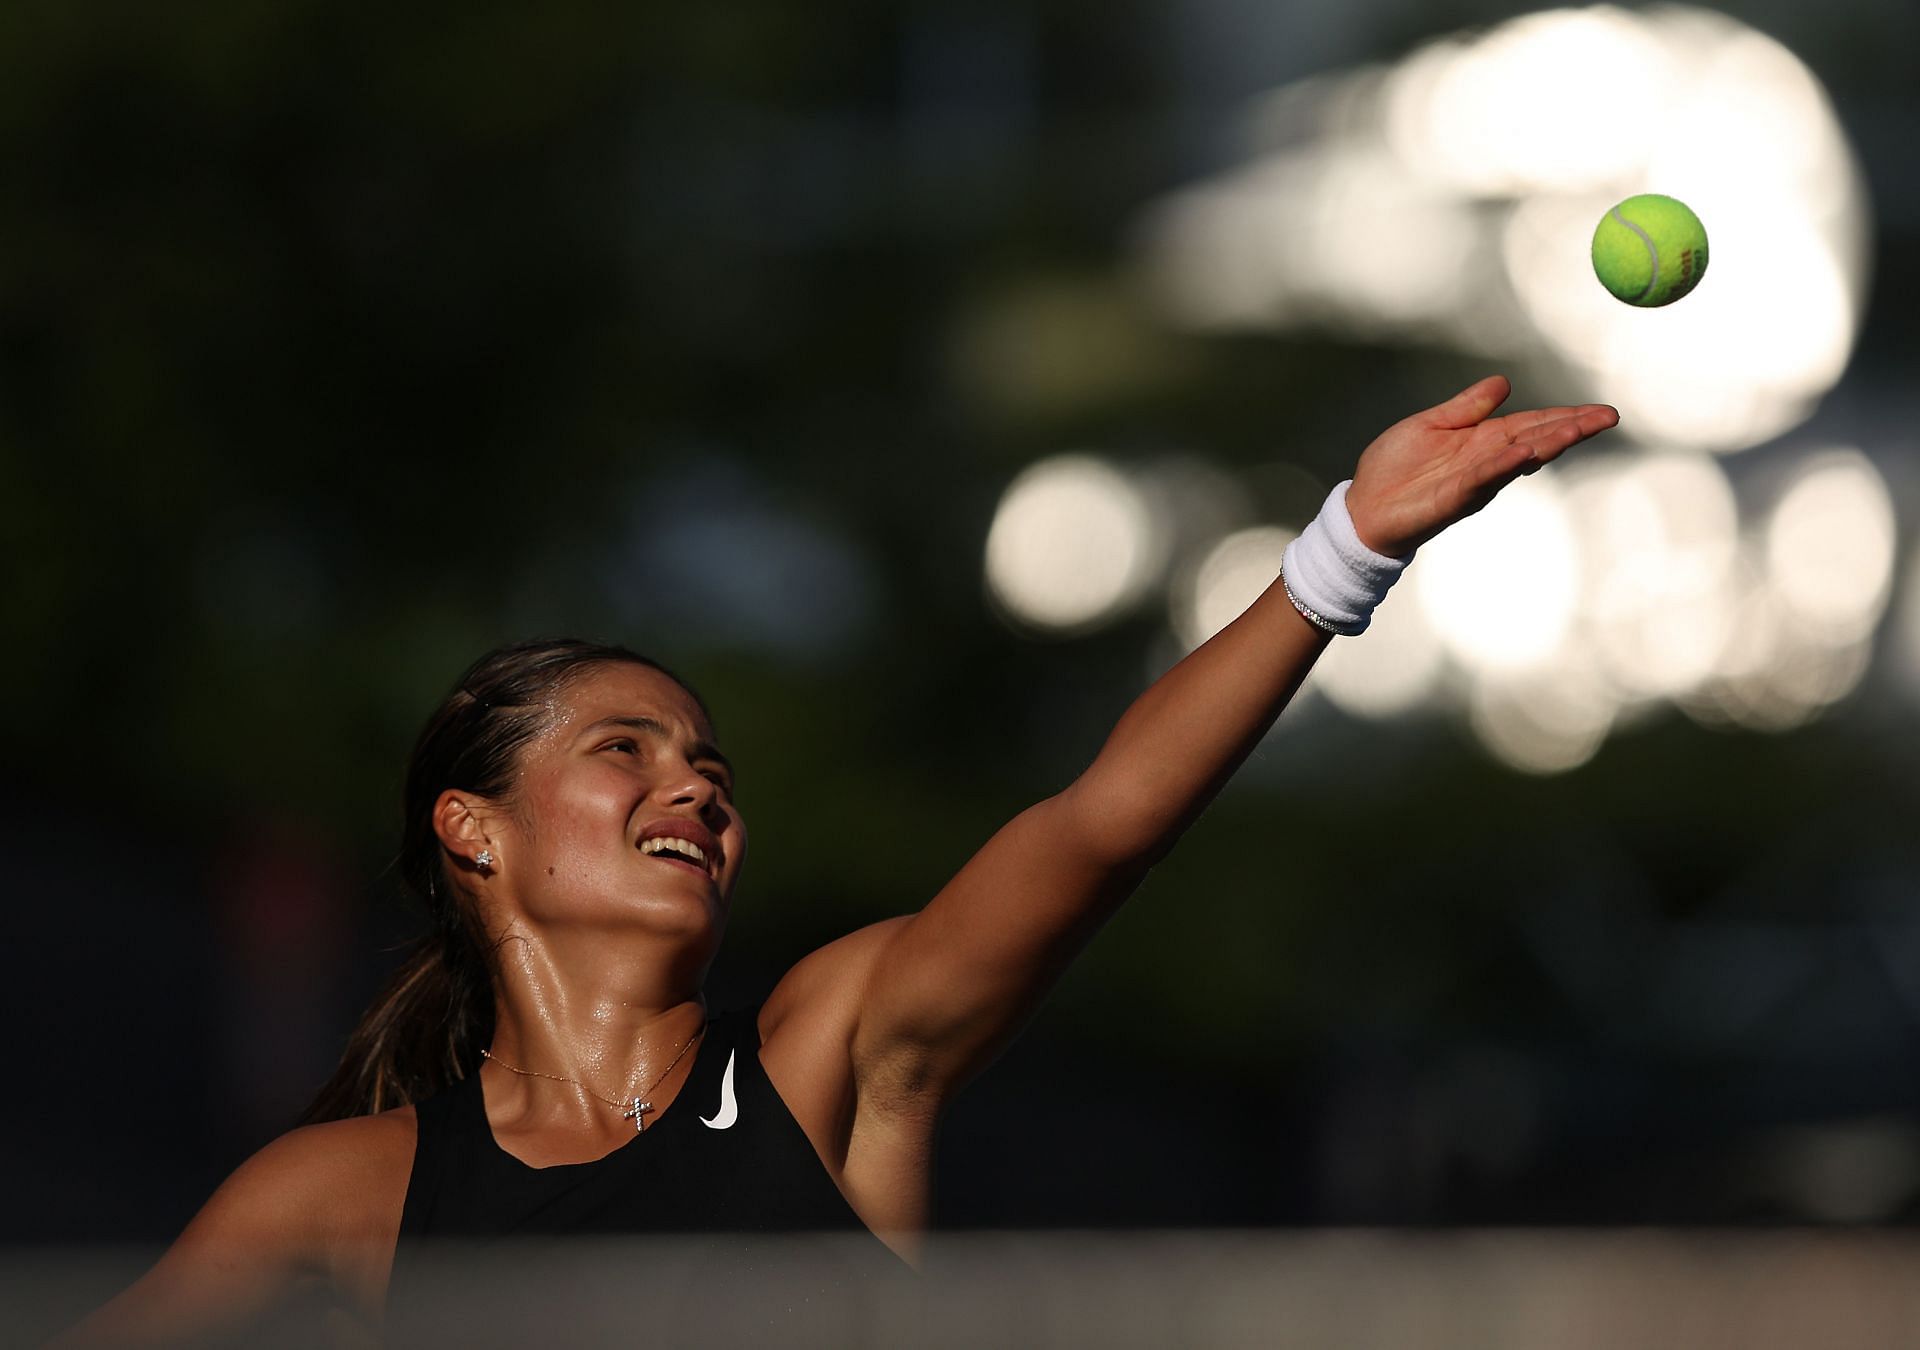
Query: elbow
x,y
1122,832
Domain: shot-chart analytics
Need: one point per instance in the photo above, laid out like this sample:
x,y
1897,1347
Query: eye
x,y
624,745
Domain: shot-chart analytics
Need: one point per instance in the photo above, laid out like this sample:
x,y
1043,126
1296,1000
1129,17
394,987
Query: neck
x,y
602,1009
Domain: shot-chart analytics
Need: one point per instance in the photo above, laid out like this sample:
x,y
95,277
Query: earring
x,y
484,858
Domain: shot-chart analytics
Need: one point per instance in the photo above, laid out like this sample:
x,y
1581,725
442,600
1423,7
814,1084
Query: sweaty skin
x,y
866,1039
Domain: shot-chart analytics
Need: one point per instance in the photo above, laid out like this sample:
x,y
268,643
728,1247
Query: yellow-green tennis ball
x,y
1650,250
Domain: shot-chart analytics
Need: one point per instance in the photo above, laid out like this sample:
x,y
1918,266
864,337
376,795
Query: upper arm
x,y
807,1029
949,986
284,1217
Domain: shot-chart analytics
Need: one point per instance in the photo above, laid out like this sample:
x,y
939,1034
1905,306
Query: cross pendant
x,y
637,1113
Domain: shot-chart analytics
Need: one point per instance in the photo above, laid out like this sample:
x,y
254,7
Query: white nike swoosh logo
x,y
729,1108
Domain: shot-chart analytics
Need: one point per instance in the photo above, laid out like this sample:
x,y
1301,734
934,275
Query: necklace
x,y
634,1108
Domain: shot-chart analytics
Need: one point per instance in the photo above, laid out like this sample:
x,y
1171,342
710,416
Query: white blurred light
x,y
1392,668
1230,578
1775,672
1336,233
1659,534
1073,543
1500,588
1741,359
1375,244
1567,612
1558,100
1543,723
1735,363
1818,675
1830,546
1546,244
1378,226
1209,261
1755,123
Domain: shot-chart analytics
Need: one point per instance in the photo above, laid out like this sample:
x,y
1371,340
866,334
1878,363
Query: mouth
x,y
684,844
684,864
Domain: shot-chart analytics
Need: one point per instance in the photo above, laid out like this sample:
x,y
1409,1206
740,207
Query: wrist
x,y
1332,576
1366,528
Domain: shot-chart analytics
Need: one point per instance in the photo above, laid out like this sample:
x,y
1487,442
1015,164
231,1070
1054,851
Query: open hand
x,y
1442,465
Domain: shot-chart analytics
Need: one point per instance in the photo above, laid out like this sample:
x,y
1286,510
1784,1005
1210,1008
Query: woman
x,y
546,1062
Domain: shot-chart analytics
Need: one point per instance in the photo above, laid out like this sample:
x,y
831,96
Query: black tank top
x,y
725,1157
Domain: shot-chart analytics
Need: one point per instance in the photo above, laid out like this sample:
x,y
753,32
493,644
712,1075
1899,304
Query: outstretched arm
x,y
953,983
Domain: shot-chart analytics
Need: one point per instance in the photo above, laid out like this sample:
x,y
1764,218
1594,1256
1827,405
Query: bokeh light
x,y
1659,532
1072,544
1775,672
1394,667
1232,575
1337,235
1830,547
1510,145
1559,100
1452,196
1542,722
1500,588
1580,601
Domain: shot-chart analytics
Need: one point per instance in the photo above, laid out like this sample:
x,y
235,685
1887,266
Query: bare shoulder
x,y
821,996
327,1183
319,1203
321,1153
879,1156
807,1028
314,1185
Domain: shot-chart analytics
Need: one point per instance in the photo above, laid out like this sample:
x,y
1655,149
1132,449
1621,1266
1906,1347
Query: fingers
x,y
1549,440
1546,440
1517,426
1495,471
1472,405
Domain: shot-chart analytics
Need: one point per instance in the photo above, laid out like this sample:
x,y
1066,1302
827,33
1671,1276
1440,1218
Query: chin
x,y
679,912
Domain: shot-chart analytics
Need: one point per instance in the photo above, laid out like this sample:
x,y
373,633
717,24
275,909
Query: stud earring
x,y
484,858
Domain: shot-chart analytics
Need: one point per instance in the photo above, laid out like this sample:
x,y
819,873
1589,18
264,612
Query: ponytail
x,y
426,1028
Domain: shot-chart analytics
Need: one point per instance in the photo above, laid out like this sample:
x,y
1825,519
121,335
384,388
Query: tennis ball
x,y
1650,250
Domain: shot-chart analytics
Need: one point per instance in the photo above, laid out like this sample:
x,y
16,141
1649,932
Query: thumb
x,y
1472,405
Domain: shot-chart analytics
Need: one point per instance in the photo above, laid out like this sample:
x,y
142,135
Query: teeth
x,y
666,843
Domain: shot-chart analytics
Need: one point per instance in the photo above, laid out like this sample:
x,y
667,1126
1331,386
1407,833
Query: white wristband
x,y
1333,579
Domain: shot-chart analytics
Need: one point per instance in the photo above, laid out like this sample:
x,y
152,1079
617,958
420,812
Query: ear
x,y
461,819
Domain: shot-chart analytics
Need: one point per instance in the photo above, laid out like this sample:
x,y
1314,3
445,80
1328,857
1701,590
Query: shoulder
x,y
807,1028
822,994
320,1202
313,1155
327,1183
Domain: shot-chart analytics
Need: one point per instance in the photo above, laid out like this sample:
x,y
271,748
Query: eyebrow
x,y
659,731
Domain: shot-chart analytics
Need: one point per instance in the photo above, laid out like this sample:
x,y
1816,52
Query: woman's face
x,y
623,809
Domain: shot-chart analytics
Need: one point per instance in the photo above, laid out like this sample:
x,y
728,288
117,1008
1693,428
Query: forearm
x,y
1180,741
956,979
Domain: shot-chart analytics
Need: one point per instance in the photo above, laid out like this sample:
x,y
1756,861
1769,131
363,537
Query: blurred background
x,y
920,380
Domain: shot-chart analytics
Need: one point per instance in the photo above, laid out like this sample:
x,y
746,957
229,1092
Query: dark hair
x,y
426,1028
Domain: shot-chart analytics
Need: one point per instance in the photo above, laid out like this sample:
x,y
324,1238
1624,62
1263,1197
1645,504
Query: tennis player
x,y
546,1063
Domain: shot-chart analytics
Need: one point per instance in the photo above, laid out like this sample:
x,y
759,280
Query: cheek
x,y
581,809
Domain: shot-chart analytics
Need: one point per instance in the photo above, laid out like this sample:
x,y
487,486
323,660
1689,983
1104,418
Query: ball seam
x,y
1652,253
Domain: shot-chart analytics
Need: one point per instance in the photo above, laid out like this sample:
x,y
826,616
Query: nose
x,y
688,787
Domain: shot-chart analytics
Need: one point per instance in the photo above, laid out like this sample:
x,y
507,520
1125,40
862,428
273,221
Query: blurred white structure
x,y
1455,194
1229,578
1072,545
1577,599
1451,198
